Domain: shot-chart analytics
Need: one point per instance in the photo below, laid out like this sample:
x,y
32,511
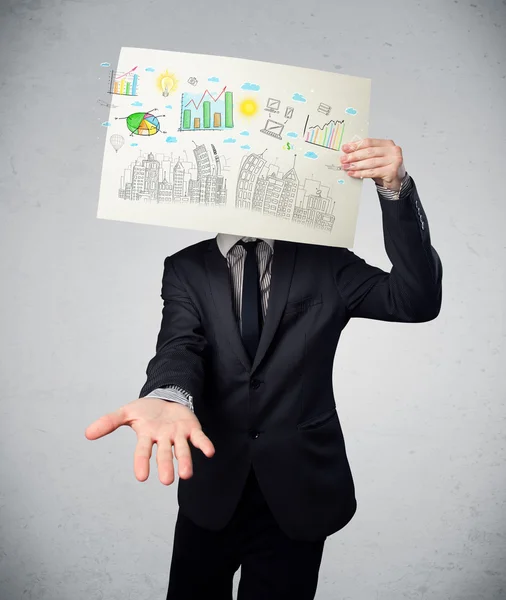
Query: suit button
x,y
255,384
254,435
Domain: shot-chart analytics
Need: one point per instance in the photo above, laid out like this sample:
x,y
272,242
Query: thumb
x,y
106,424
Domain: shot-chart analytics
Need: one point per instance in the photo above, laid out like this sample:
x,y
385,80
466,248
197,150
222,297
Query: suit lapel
x,y
219,282
283,262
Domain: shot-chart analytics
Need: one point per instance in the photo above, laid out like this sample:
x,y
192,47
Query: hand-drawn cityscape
x,y
261,187
160,178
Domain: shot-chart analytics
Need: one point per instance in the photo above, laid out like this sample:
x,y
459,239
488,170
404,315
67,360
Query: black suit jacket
x,y
278,414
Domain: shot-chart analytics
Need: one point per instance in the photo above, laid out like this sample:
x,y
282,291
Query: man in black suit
x,y
245,353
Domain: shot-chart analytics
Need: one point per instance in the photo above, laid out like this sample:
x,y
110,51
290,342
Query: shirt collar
x,y
226,242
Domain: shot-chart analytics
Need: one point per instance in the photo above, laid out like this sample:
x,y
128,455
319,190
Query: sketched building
x,y
152,174
178,179
165,191
261,188
289,194
251,169
316,211
164,179
210,185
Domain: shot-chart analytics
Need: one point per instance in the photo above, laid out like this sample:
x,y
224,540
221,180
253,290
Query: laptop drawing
x,y
273,105
273,128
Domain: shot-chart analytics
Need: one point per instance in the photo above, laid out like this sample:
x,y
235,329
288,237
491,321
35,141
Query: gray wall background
x,y
422,406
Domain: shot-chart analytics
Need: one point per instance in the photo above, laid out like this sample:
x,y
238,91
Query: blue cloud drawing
x,y
351,111
246,147
312,155
229,141
298,98
150,69
171,140
251,87
215,79
169,106
106,64
244,133
137,103
340,181
134,144
292,134
106,124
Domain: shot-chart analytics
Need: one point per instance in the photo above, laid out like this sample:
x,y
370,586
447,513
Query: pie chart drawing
x,y
143,123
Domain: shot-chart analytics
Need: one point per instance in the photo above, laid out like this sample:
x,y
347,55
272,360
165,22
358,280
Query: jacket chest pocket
x,y
302,305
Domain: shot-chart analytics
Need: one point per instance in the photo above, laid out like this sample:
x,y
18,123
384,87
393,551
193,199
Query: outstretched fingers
x,y
200,440
183,455
141,457
106,424
165,460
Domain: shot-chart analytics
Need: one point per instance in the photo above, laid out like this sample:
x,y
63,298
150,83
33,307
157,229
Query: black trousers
x,y
273,566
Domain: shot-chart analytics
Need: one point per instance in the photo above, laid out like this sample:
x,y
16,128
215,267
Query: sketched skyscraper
x,y
204,167
178,179
249,173
289,194
138,180
221,182
152,176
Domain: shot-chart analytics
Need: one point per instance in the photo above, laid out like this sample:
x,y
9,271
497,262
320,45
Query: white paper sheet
x,y
231,145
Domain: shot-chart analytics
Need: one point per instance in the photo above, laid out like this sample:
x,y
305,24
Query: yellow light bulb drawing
x,y
167,83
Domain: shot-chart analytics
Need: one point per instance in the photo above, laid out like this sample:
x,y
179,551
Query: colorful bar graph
x,y
207,114
329,136
125,84
229,109
209,111
187,119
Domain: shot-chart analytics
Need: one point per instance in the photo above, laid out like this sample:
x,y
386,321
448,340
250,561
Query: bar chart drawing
x,y
124,84
207,112
328,136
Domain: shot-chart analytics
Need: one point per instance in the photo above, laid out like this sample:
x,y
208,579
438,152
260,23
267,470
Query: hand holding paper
x,y
377,159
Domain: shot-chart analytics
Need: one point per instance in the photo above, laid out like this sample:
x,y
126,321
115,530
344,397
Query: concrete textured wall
x,y
422,406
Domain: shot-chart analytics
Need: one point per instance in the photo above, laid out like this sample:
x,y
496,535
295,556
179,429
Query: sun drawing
x,y
167,83
248,107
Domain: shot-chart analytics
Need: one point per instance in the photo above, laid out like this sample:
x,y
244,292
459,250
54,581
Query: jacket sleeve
x,y
181,345
412,291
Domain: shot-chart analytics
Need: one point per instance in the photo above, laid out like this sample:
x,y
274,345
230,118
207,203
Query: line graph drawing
x,y
207,111
124,84
329,135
